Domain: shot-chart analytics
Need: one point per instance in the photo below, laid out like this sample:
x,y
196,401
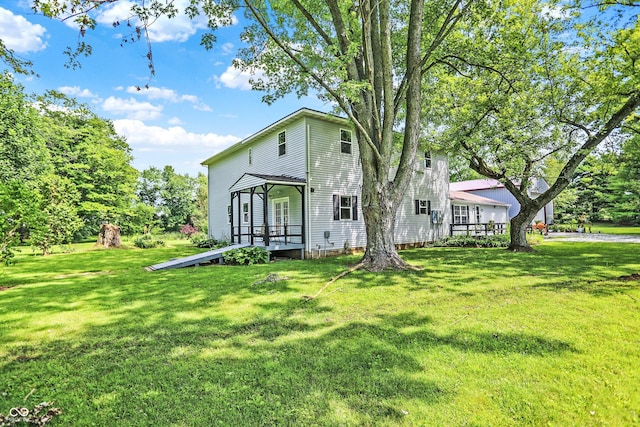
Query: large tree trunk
x,y
518,229
379,213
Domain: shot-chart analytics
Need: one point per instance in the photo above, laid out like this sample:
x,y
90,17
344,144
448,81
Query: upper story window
x,y
427,159
250,157
282,143
345,141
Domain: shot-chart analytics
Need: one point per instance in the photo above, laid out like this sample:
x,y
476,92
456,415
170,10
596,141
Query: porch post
x,y
231,214
239,217
304,225
265,214
252,191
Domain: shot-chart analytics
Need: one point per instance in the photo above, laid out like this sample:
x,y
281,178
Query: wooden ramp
x,y
196,259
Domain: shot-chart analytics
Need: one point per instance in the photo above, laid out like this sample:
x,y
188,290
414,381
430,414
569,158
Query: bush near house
x,y
496,241
246,256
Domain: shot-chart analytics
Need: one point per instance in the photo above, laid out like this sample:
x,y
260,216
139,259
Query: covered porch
x,y
269,211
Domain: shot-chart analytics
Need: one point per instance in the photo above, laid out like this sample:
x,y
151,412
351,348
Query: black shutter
x,y
354,208
428,207
417,202
336,207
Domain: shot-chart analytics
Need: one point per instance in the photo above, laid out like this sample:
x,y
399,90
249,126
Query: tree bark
x,y
379,214
109,236
518,229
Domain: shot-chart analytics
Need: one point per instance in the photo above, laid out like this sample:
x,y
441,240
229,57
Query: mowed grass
x,y
608,228
480,337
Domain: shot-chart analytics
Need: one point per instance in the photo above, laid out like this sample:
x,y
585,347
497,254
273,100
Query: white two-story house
x,y
296,185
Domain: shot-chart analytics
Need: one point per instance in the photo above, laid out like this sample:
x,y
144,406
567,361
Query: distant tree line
x,y
64,171
605,188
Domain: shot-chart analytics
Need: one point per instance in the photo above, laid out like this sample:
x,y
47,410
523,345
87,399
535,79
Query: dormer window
x,y
282,143
345,141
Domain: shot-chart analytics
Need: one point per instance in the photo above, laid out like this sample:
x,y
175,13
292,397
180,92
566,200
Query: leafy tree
x,y
382,64
370,58
23,155
171,194
177,199
14,62
625,206
61,221
140,218
18,207
86,149
538,81
201,204
23,159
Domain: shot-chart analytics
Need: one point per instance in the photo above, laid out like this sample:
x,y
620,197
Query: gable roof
x,y
476,184
283,122
473,198
249,180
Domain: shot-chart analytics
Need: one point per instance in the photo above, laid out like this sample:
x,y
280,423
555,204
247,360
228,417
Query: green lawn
x,y
608,228
480,337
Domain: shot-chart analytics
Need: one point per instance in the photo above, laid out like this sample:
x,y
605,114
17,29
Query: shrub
x,y
188,230
202,241
497,241
147,241
247,256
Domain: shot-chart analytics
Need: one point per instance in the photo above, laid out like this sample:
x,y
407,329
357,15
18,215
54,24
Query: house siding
x,y
427,184
265,160
332,172
314,154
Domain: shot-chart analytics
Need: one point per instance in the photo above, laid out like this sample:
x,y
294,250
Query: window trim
x,y
282,144
427,159
286,217
345,143
463,212
422,206
245,213
338,207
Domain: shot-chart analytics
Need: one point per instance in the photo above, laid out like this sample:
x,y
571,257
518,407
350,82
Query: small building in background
x,y
495,190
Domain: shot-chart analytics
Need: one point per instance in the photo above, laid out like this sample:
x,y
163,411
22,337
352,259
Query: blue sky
x,y
197,104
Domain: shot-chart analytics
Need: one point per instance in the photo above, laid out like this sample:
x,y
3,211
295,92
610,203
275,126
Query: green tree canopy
x,y
86,149
539,79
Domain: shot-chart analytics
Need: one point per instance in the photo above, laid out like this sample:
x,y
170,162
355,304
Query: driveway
x,y
594,237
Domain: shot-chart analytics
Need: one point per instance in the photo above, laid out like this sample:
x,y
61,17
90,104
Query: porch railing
x,y
482,229
268,234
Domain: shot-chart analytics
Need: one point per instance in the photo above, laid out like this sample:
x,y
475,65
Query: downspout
x,y
307,240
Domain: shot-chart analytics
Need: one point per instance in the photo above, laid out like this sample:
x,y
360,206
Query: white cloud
x,y
237,79
156,138
174,121
556,12
20,35
155,93
132,109
163,93
227,48
178,28
76,91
